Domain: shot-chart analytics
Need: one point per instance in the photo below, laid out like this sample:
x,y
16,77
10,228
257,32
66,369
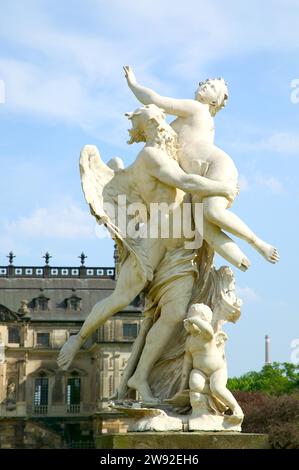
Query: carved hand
x,y
129,74
232,191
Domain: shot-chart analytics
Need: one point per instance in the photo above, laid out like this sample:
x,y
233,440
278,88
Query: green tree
x,y
274,379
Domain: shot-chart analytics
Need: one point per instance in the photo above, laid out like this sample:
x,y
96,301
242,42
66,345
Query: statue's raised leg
x,y
215,211
225,246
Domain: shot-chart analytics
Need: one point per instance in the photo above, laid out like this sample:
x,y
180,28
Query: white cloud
x,y
283,143
71,71
63,221
35,89
247,294
72,76
270,182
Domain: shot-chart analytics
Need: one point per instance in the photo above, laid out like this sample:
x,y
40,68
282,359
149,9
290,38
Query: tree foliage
x,y
274,379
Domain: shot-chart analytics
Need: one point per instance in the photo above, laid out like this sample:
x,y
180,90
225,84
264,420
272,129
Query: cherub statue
x,y
204,367
198,154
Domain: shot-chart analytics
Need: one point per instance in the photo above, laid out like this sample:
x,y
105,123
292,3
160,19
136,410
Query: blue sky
x,y
61,63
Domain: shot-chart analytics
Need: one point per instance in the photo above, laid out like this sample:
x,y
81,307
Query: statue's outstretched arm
x,y
169,172
147,96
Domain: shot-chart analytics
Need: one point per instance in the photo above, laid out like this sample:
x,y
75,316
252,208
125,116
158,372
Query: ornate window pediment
x,y
7,315
42,372
41,302
75,372
74,303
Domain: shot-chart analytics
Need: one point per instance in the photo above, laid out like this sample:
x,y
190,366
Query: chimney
x,y
267,350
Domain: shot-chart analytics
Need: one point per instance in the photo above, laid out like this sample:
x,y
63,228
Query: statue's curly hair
x,y
221,85
166,138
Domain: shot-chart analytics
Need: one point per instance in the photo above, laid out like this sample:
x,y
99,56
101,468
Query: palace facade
x,y
40,308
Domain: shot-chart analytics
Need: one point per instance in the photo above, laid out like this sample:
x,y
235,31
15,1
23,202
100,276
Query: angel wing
x,y
95,178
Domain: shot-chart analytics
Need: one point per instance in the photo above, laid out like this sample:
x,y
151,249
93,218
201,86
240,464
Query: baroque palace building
x,y
40,308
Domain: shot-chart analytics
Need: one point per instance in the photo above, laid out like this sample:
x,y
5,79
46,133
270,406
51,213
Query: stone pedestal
x,y
182,440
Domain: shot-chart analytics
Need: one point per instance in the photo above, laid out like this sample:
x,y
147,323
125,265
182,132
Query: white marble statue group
x,y
177,364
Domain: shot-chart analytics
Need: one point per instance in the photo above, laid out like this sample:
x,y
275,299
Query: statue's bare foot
x,y
236,418
245,264
267,251
143,388
68,352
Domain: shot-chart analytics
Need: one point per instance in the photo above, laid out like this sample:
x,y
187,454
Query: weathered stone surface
x,y
182,440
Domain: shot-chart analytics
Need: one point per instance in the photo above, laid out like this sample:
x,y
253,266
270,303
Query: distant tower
x,y
267,350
